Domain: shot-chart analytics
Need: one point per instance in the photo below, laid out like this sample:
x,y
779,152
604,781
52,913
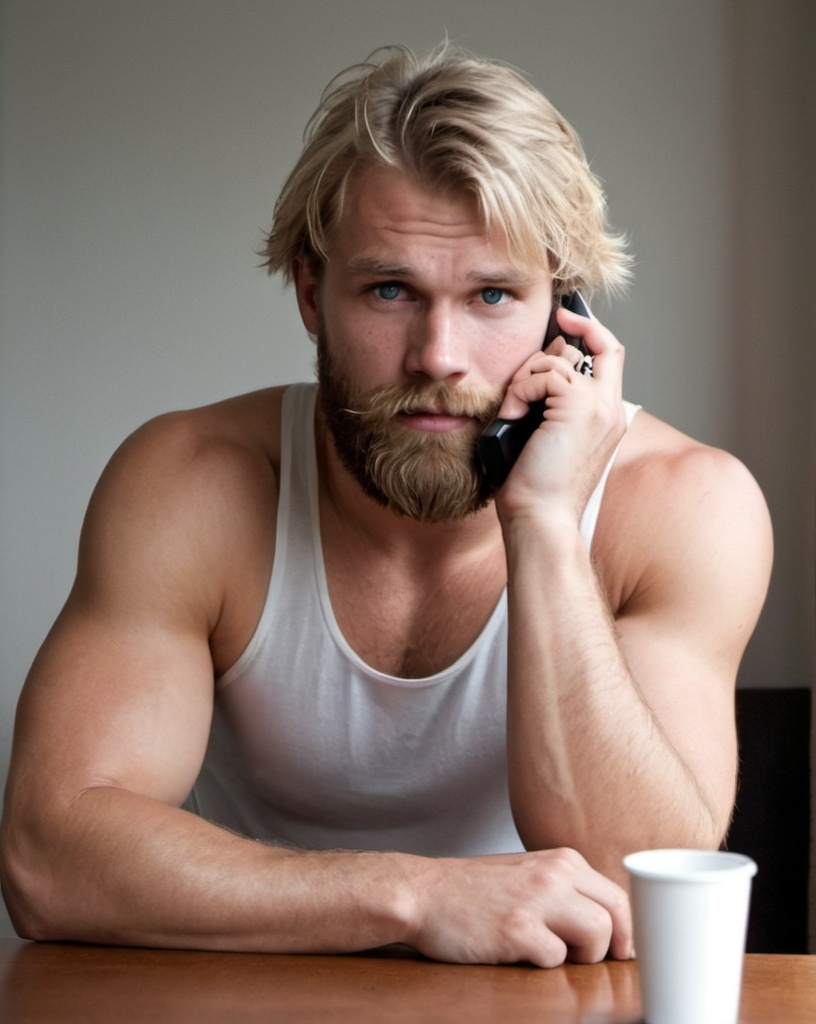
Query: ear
x,y
306,289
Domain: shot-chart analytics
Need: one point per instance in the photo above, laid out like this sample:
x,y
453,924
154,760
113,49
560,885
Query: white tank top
x,y
310,747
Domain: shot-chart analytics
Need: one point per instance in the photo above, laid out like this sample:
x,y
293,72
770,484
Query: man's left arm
x,y
622,664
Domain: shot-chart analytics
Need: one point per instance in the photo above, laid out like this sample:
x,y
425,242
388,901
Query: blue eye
x,y
388,291
493,296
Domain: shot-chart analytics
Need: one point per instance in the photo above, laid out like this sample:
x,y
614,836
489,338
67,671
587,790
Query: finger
x,y
599,919
563,363
545,949
575,928
557,346
607,367
577,905
615,902
581,362
538,387
534,383
587,931
599,341
576,326
571,353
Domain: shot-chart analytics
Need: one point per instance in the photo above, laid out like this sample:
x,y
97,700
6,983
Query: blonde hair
x,y
458,123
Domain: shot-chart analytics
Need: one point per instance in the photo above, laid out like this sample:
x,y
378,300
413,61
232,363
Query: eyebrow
x,y
374,267
501,275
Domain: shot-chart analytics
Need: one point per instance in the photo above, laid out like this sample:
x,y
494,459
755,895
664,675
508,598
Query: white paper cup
x,y
690,910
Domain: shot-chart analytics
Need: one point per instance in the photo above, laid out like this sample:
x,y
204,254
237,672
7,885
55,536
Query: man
x,y
408,710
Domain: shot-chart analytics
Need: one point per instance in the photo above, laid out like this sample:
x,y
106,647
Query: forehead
x,y
387,209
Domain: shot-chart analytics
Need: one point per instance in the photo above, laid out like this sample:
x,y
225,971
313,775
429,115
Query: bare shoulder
x,y
185,510
245,425
656,459
677,513
193,460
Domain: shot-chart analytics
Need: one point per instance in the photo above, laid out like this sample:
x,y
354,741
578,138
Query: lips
x,y
435,420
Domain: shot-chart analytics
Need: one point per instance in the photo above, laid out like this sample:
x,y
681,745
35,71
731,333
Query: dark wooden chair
x,y
772,816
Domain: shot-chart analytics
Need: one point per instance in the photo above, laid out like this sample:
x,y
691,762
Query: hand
x,y
543,907
563,460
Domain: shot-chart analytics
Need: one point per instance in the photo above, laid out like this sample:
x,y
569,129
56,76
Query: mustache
x,y
431,397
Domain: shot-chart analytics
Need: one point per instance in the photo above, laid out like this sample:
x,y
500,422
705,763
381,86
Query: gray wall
x,y
143,147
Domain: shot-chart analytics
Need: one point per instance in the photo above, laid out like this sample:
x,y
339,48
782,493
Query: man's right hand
x,y
543,907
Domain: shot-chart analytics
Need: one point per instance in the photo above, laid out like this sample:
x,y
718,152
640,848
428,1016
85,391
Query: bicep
x,y
121,692
114,703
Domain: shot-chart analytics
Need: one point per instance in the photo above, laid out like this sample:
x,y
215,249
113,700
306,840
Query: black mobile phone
x,y
501,443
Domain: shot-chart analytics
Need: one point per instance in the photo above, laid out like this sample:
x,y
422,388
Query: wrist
x,y
423,886
554,533
551,510
404,895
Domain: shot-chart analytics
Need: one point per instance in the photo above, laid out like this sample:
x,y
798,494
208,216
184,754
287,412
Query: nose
x,y
437,346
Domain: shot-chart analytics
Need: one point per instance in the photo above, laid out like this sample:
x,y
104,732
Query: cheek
x,y
355,360
366,351
499,362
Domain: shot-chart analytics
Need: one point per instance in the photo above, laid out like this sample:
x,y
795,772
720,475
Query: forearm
x,y
130,871
590,765
123,869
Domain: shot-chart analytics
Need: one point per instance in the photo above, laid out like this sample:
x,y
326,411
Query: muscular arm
x,y
113,721
112,728
622,668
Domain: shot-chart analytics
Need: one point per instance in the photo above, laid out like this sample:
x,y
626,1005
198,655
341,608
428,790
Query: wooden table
x,y
91,984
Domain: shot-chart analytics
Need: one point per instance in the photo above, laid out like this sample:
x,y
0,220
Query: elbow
x,y
705,831
701,821
28,892
715,821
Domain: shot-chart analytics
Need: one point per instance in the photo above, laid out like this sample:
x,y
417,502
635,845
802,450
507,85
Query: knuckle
x,y
517,922
567,858
553,868
599,921
523,937
619,903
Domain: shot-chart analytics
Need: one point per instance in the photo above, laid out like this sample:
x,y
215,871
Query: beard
x,y
429,476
